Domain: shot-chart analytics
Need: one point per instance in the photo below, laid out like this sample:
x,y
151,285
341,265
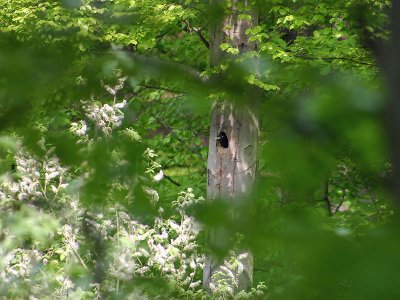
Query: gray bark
x,y
231,170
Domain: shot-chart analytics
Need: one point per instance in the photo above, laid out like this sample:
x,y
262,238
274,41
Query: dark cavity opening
x,y
223,139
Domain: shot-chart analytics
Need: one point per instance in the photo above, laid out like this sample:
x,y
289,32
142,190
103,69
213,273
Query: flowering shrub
x,y
54,245
166,248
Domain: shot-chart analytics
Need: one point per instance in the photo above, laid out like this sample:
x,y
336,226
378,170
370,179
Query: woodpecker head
x,y
222,139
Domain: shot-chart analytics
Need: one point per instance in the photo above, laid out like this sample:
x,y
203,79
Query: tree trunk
x,y
232,166
391,66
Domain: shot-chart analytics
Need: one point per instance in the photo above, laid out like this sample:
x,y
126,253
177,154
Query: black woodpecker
x,y
223,139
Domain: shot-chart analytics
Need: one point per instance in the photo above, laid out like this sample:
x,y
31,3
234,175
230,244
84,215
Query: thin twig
x,y
171,180
75,252
340,205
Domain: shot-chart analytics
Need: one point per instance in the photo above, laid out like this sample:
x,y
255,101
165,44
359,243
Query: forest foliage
x,y
104,117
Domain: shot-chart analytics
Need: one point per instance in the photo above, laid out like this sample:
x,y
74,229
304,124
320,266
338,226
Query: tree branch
x,y
182,142
198,32
327,199
334,58
162,88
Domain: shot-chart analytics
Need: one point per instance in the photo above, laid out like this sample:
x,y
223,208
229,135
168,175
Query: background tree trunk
x,y
391,67
231,170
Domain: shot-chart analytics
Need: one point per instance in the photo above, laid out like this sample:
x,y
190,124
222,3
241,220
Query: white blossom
x,y
159,176
106,117
80,129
